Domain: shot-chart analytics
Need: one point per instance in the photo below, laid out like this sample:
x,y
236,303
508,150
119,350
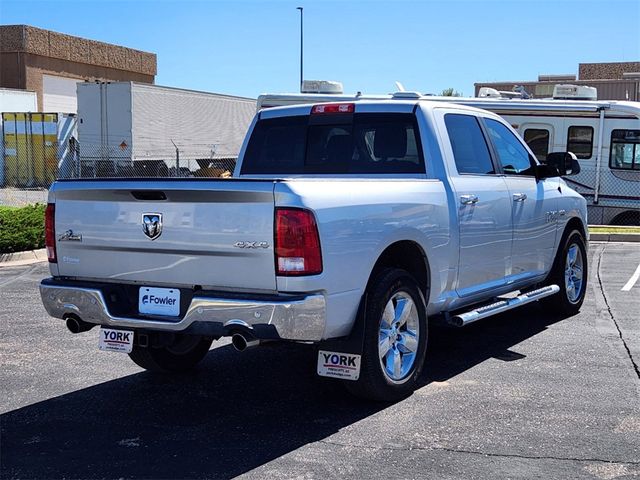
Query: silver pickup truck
x,y
345,225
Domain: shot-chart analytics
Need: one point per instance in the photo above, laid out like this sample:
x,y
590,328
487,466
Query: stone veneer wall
x,y
27,53
606,71
36,41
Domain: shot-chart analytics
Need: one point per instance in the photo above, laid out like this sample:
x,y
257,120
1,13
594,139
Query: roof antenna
x,y
400,87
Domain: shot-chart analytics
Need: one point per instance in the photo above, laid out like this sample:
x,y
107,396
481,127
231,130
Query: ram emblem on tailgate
x,y
152,225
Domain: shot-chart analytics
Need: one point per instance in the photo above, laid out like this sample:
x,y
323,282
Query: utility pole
x,y
301,45
177,158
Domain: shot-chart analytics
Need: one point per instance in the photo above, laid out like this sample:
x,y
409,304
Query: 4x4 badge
x,y
152,225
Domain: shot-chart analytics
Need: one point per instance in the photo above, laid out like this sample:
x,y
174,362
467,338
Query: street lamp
x,y
300,8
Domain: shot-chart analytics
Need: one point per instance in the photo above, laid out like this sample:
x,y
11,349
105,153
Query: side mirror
x,y
565,162
544,170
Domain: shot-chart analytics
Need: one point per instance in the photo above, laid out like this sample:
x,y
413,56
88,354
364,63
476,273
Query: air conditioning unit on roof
x,y
574,92
321,86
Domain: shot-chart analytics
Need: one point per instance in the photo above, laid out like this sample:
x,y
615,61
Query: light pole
x,y
301,9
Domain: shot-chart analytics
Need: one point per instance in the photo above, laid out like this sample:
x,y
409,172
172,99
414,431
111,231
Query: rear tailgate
x,y
217,234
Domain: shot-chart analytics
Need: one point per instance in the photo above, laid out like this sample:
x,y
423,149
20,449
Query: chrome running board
x,y
478,313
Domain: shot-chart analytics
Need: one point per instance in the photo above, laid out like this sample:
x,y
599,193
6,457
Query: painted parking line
x,y
632,281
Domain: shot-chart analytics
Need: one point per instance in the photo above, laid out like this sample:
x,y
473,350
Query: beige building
x,y
51,63
613,80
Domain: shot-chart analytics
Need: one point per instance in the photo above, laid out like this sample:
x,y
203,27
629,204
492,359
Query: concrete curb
x,y
614,237
615,233
23,258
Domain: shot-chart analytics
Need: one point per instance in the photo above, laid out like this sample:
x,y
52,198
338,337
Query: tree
x,y
450,92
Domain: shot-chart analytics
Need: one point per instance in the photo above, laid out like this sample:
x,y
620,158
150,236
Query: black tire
x,y
565,302
184,354
388,287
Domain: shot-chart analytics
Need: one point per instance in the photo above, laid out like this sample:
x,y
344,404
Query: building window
x,y
538,141
625,150
580,141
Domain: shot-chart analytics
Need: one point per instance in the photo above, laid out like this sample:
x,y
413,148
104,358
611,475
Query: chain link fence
x,y
28,173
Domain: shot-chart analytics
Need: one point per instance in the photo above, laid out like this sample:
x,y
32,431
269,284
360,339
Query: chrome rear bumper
x,y
302,318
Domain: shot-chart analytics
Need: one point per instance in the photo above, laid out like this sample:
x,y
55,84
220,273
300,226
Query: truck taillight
x,y
297,243
50,232
333,108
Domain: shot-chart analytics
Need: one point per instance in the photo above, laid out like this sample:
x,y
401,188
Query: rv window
x,y
580,141
513,156
625,150
538,141
469,147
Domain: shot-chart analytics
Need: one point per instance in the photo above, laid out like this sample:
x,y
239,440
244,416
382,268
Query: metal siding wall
x,y
617,91
118,117
18,101
59,94
104,113
197,123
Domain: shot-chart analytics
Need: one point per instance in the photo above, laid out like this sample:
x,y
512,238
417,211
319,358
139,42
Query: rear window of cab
x,y
363,143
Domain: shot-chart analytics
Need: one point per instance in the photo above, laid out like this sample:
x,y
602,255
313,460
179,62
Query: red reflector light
x,y
333,108
297,243
50,232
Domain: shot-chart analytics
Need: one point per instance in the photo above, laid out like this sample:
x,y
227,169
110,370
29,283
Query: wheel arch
x,y
407,255
574,223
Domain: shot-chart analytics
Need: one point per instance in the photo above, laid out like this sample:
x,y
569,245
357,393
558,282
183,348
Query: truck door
x,y
533,205
483,208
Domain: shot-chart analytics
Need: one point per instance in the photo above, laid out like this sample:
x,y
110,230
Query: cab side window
x,y
513,156
469,146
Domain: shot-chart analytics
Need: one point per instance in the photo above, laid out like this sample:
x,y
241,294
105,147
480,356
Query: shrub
x,y
21,228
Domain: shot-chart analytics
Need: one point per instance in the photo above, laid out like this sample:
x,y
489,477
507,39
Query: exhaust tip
x,y
240,342
75,325
456,321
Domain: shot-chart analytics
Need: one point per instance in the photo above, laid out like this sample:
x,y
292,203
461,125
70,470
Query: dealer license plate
x,y
112,340
345,366
159,301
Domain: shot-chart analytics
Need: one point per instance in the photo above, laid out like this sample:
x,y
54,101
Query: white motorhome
x,y
603,134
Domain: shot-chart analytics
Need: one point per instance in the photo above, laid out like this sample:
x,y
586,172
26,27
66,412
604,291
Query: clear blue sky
x,y
250,47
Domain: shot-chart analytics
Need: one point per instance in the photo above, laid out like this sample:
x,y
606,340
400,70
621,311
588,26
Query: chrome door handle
x,y
468,199
519,197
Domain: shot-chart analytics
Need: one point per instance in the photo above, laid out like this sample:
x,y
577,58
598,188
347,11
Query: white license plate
x,y
339,365
112,340
159,301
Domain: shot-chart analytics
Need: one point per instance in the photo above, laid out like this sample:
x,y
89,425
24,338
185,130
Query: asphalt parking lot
x,y
520,395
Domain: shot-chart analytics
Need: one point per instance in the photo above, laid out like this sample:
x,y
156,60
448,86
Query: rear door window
x,y
376,143
469,146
